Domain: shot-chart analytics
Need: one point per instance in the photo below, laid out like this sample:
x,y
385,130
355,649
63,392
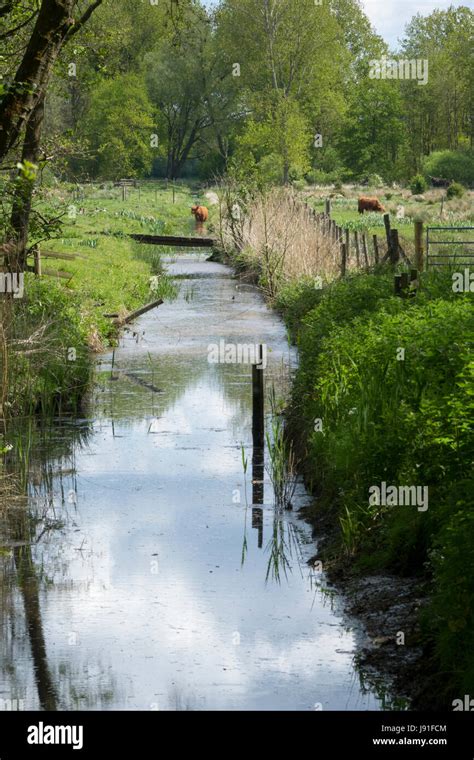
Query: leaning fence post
x,y
419,245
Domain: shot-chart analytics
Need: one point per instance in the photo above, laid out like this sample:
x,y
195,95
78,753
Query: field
x,y
111,272
432,207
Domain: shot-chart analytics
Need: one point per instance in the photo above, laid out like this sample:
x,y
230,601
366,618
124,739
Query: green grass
x,y
344,212
111,274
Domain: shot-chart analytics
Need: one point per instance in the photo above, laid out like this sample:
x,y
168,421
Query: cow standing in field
x,y
440,181
201,214
369,204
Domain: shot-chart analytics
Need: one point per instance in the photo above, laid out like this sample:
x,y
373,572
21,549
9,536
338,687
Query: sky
x,y
389,17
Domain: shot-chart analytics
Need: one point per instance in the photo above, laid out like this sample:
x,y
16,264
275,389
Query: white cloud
x,y
391,16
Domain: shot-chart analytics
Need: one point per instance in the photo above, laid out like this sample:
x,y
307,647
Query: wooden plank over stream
x,y
185,242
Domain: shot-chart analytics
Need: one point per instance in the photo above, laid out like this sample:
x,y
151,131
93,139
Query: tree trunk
x,y
21,207
52,25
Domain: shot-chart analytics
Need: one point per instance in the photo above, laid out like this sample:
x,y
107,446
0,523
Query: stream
x,y
148,571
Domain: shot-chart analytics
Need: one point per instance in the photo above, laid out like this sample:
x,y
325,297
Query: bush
x,y
375,180
418,184
402,422
455,190
319,177
457,165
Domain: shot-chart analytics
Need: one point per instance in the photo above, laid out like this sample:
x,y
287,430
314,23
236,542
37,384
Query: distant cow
x,y
201,213
439,181
369,204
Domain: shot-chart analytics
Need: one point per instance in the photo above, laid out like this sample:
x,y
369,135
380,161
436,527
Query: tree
x,y
119,127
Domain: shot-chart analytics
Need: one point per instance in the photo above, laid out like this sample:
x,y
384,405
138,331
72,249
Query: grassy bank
x,y
384,393
60,320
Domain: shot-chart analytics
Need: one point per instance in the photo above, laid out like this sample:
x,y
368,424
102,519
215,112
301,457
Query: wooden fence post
x,y
357,247
327,206
386,221
394,246
343,259
37,258
348,243
376,249
419,245
365,250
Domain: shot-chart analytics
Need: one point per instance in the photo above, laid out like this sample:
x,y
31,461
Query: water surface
x,y
140,578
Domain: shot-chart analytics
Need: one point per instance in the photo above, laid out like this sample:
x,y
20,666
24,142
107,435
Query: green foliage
x,y
457,165
418,184
48,377
400,421
455,190
118,126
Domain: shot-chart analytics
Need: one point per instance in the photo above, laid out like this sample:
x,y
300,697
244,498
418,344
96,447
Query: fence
x,y
356,248
460,254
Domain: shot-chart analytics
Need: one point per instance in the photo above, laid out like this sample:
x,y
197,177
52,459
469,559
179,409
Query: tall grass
x,y
279,240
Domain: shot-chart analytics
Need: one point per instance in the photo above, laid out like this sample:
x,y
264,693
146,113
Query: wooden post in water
x,y
419,245
376,249
258,401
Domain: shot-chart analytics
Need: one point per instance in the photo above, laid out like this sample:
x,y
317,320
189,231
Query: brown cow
x,y
201,213
369,204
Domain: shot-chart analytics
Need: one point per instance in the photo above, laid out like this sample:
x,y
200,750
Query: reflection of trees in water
x,y
27,526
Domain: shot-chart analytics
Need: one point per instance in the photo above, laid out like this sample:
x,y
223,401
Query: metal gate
x,y
461,251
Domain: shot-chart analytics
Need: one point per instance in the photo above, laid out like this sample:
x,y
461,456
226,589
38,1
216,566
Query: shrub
x,y
455,190
418,184
457,165
402,422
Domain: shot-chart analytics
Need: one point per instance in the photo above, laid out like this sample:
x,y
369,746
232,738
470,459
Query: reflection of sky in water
x,y
149,605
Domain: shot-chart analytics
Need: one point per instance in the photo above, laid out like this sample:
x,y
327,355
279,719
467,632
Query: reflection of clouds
x,y
177,627
166,632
